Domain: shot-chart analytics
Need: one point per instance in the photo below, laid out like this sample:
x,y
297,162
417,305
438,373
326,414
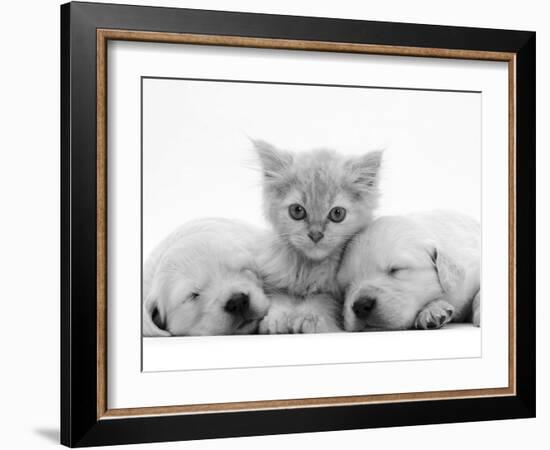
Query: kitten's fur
x,y
300,273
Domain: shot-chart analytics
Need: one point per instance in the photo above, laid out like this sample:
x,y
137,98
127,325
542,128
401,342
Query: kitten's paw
x,y
298,318
434,315
304,323
312,323
275,323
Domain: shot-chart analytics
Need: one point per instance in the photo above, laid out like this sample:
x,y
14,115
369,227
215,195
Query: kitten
x,y
316,202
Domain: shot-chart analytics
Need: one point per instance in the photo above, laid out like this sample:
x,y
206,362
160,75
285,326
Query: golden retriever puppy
x,y
202,280
416,271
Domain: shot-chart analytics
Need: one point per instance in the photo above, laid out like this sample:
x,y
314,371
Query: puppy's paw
x,y
434,315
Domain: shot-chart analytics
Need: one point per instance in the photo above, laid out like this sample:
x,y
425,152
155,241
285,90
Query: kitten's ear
x,y
364,170
274,162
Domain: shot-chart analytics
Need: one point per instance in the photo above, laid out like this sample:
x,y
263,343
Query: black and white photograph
x,y
290,208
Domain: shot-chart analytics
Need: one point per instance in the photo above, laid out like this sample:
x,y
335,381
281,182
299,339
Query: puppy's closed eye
x,y
252,273
190,297
396,270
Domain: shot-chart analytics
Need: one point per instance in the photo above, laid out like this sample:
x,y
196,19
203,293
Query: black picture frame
x,y
80,425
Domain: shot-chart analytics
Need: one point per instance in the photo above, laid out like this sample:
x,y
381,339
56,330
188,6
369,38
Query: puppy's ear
x,y
275,163
450,273
364,170
153,318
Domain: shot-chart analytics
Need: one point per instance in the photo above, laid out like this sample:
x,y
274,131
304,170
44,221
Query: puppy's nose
x,y
237,303
363,306
315,236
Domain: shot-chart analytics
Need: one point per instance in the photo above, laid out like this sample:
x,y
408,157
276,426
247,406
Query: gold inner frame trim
x,y
103,36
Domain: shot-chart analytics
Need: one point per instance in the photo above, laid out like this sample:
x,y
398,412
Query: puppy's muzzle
x,y
362,307
238,304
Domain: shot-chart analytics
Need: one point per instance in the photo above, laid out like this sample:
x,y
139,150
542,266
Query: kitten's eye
x,y
297,212
194,296
395,270
337,214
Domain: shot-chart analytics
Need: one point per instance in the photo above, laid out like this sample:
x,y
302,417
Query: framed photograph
x,y
277,224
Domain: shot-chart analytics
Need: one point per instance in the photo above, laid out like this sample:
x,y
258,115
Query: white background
x,y
198,161
29,174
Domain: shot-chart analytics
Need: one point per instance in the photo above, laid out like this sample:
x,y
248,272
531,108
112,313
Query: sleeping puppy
x,y
202,280
417,271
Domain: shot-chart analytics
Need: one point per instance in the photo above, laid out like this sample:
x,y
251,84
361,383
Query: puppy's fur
x,y
416,271
191,276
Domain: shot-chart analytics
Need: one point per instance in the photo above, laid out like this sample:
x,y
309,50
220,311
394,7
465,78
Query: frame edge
x,y
65,187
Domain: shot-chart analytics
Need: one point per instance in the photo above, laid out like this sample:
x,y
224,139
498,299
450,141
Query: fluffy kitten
x,y
316,202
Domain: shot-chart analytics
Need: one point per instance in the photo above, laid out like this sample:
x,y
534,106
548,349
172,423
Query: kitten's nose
x,y
237,303
315,236
363,306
